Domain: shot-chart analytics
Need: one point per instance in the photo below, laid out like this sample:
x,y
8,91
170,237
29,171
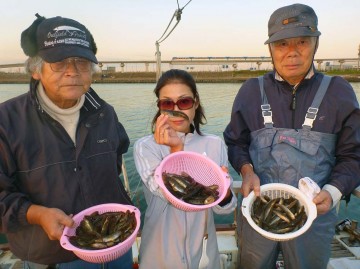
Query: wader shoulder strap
x,y
314,108
265,106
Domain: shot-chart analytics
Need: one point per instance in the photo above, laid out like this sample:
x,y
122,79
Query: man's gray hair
x,y
33,65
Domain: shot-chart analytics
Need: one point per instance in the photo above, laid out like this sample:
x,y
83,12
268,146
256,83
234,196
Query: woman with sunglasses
x,y
172,238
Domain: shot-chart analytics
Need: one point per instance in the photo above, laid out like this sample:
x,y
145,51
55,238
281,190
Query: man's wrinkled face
x,y
66,81
293,57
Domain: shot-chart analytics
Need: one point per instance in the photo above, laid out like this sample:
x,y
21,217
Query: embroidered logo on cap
x,y
66,35
67,28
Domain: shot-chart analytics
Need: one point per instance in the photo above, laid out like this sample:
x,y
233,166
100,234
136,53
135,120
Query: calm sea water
x,y
135,106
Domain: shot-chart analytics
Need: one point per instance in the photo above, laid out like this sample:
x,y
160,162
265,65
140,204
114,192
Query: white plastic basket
x,y
201,168
275,190
101,255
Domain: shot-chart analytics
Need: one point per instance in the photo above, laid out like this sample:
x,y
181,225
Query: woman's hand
x,y
165,135
228,193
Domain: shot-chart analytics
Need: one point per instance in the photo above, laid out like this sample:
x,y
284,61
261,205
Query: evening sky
x,y
128,29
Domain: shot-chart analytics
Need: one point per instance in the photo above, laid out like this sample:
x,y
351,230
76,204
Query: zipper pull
x,y
293,102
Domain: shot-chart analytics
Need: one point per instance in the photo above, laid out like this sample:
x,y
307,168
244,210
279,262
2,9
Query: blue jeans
x,y
124,262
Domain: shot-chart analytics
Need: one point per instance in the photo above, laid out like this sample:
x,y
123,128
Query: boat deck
x,y
9,260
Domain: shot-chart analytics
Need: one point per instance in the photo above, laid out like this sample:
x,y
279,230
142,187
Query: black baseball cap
x,y
59,38
292,21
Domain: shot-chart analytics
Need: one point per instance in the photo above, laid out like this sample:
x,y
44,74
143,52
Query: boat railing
x,y
125,176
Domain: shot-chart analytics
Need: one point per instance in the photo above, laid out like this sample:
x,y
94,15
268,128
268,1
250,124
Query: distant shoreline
x,y
150,77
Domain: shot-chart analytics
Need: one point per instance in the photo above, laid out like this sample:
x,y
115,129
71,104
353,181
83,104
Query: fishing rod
x,y
177,16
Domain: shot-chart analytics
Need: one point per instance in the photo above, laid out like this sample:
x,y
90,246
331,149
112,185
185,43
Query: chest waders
x,y
282,155
286,155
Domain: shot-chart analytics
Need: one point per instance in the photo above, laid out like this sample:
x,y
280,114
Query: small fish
x,y
268,209
182,180
98,245
88,227
192,191
299,219
287,211
278,215
108,238
185,188
265,199
173,113
99,231
209,200
175,184
281,231
282,216
196,201
274,221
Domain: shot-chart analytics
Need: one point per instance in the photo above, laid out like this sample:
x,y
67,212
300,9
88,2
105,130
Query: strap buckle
x,y
310,116
267,114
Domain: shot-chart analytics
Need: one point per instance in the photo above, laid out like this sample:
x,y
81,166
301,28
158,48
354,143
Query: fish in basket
x,y
282,212
207,182
102,233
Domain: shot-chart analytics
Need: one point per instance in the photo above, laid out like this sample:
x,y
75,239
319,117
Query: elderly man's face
x,y
66,81
293,57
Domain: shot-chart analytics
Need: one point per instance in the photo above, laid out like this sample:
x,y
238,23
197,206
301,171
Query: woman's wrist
x,y
177,148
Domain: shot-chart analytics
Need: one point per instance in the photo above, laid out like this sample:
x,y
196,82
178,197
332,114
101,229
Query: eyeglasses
x,y
81,64
182,103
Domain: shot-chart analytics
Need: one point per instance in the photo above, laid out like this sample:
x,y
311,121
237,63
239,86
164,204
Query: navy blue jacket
x,y
338,114
39,164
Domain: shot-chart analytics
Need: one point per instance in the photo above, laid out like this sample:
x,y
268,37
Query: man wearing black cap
x,y
61,146
292,123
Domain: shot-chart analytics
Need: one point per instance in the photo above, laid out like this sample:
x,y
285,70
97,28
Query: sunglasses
x,y
183,103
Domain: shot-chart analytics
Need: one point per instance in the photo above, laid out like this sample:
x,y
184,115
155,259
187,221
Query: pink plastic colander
x,y
201,168
101,255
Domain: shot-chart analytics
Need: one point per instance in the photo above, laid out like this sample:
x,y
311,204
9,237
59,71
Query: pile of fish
x,y
99,231
278,215
185,188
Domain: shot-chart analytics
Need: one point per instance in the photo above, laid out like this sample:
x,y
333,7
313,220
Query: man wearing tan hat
x,y
292,123
61,147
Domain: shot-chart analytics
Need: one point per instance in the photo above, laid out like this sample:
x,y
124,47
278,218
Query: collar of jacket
x,y
309,75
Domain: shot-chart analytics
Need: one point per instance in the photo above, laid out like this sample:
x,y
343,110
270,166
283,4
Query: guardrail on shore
x,y
210,60
150,77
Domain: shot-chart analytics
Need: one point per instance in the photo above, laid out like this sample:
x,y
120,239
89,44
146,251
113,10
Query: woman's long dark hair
x,y
180,76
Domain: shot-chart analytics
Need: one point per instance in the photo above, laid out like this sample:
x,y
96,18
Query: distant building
x,y
331,66
111,69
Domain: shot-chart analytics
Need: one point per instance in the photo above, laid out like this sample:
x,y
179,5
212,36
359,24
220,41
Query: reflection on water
x,y
135,107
